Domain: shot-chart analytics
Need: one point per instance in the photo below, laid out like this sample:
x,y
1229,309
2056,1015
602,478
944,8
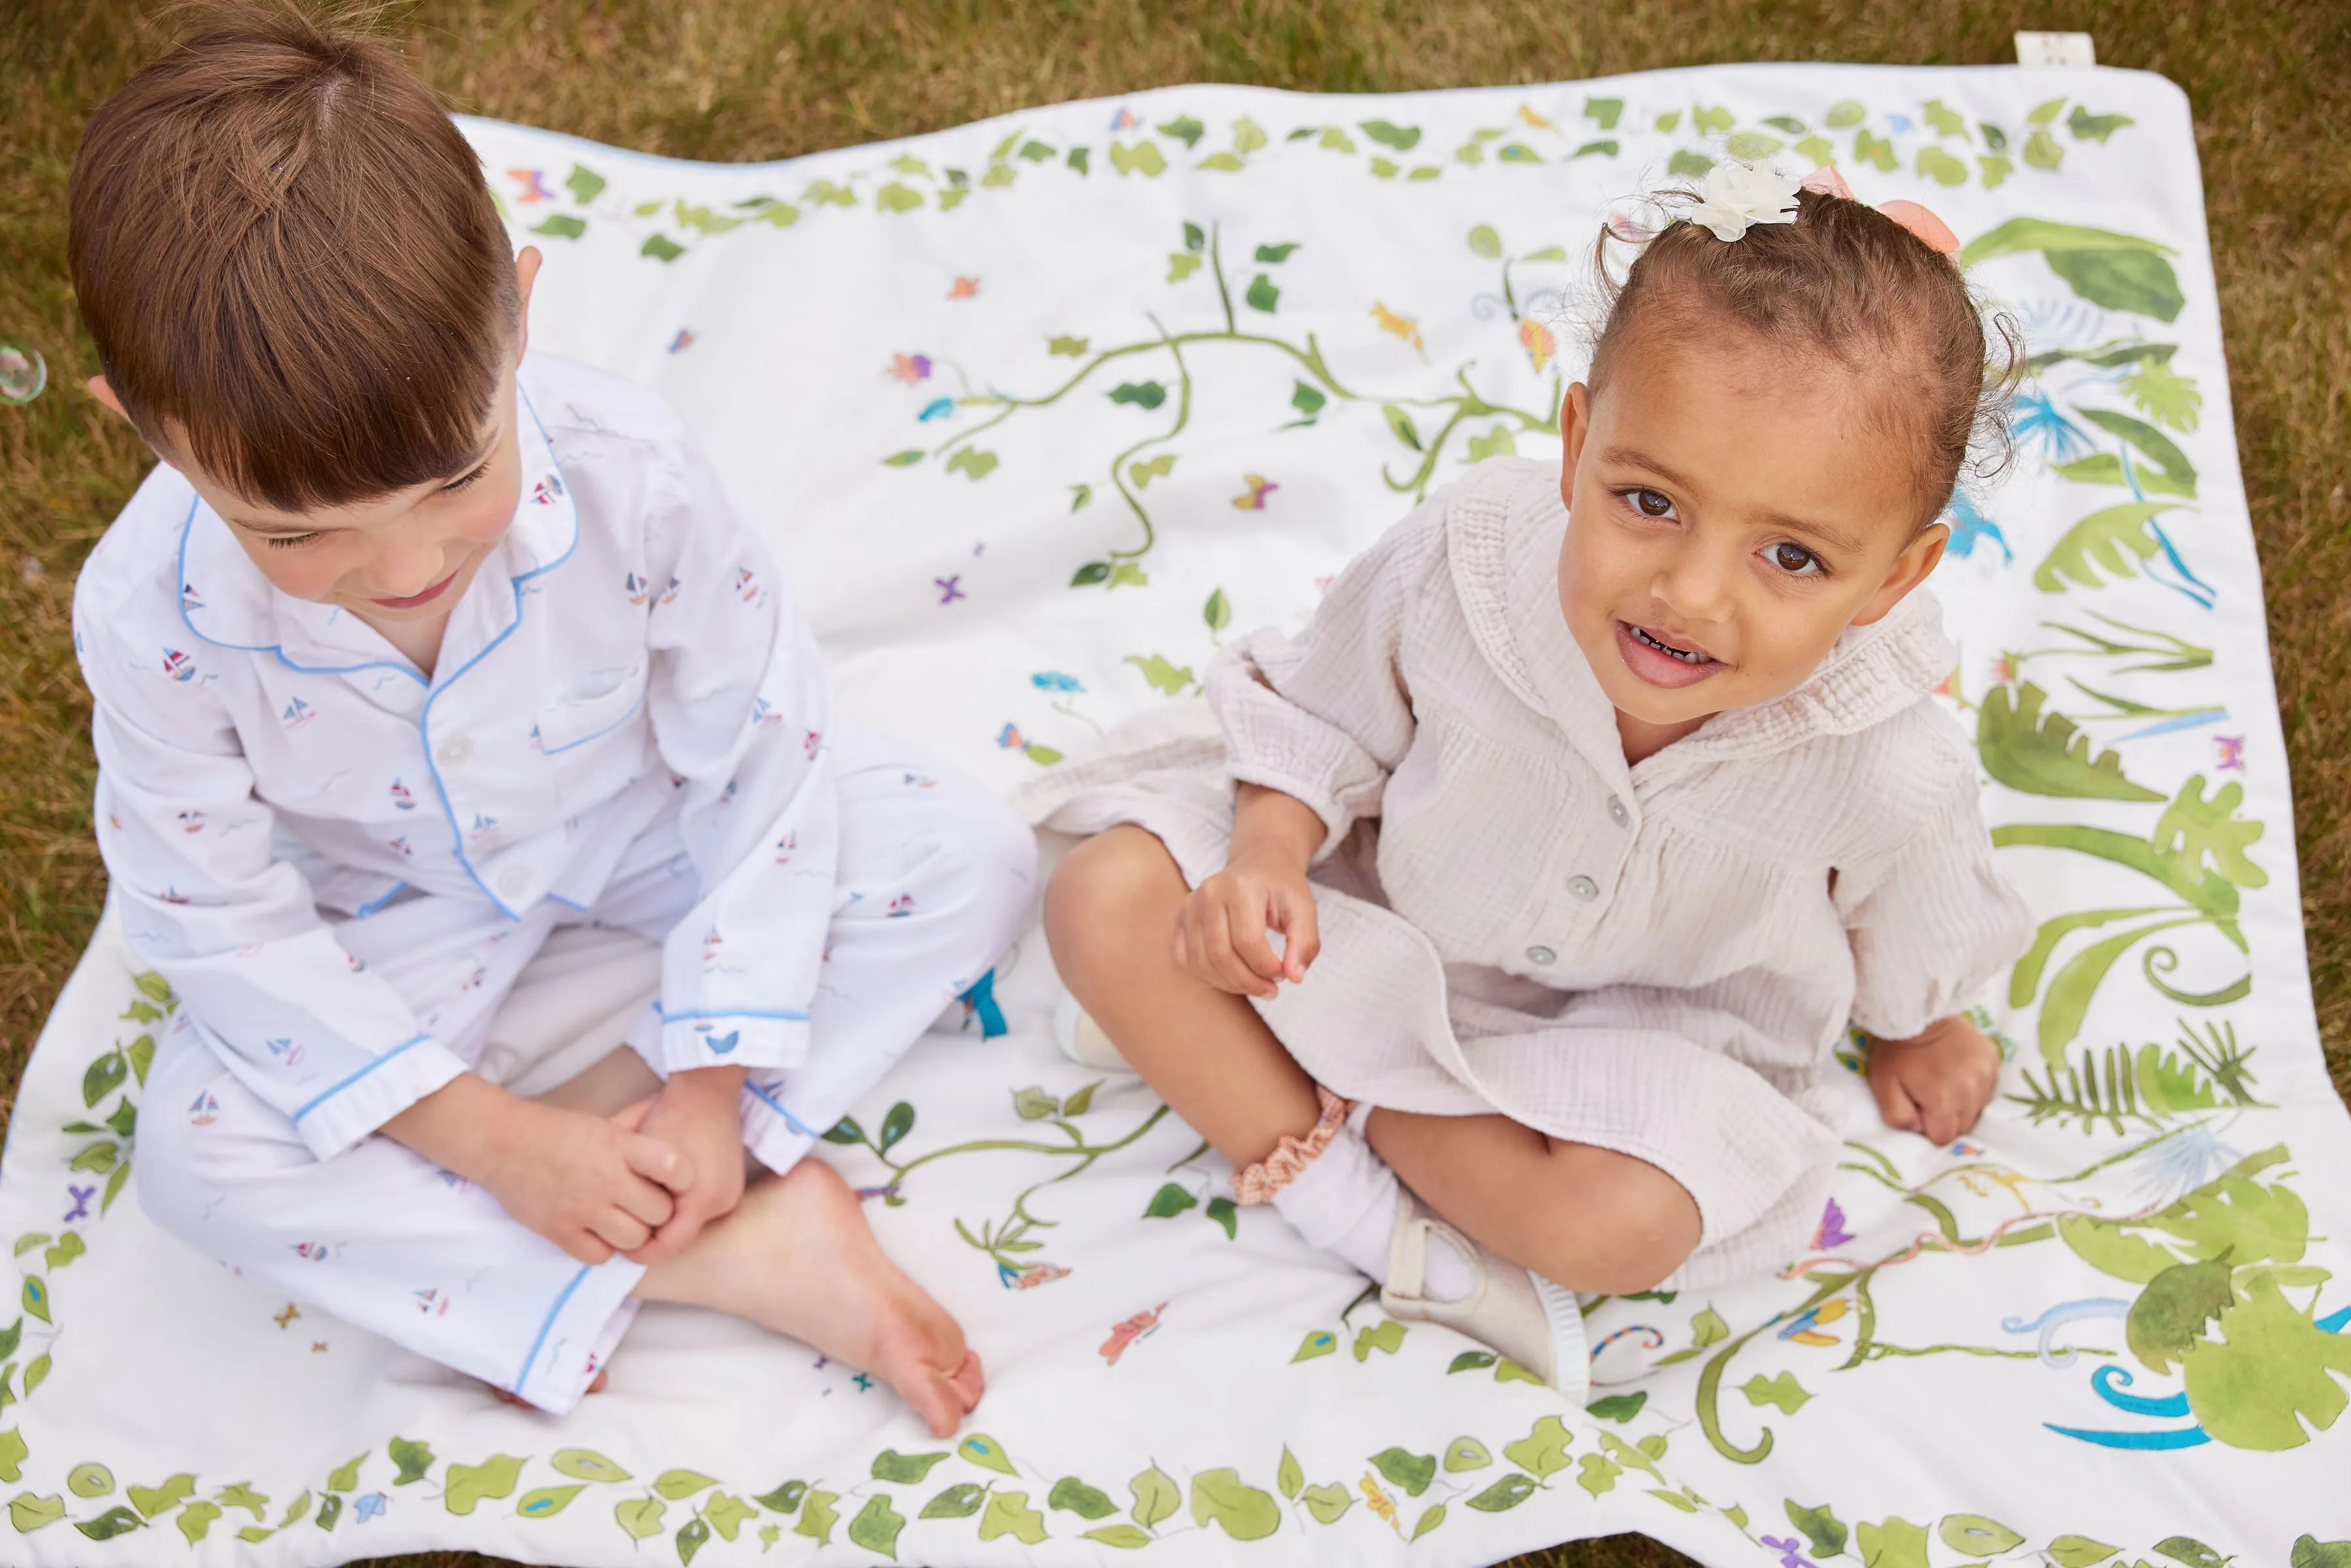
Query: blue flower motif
x,y
368,1507
1055,681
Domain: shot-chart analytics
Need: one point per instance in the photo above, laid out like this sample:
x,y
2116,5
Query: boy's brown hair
x,y
294,274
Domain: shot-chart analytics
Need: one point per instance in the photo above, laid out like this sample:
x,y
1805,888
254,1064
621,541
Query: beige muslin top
x,y
1654,958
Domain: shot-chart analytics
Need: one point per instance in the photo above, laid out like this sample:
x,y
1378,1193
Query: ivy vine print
x,y
1040,415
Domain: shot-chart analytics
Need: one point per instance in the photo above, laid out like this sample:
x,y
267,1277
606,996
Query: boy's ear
x,y
1912,566
526,273
103,391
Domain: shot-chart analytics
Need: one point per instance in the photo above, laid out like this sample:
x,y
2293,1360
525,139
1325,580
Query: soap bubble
x,y
22,374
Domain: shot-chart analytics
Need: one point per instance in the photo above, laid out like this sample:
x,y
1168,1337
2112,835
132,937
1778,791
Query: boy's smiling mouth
x,y
1660,661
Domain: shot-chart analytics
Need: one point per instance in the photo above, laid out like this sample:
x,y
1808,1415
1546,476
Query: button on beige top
x,y
455,751
1582,888
1616,810
1540,955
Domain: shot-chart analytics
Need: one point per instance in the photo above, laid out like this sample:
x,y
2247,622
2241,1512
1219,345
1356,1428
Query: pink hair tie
x,y
1924,225
1261,1181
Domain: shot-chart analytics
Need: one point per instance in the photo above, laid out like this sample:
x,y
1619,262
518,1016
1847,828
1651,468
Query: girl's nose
x,y
1698,583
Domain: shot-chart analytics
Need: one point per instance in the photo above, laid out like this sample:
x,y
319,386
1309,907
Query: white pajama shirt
x,y
341,865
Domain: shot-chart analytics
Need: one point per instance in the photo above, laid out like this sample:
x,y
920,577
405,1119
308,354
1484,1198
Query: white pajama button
x,y
1583,888
514,881
455,751
1539,955
1616,810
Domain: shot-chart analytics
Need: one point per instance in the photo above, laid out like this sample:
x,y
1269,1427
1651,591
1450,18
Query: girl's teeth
x,y
1689,656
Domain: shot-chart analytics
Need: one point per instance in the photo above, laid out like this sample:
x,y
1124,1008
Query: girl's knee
x,y
1109,891
1638,1225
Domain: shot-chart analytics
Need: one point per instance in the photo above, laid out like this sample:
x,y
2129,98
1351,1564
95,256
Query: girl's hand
x,y
1936,1083
1220,931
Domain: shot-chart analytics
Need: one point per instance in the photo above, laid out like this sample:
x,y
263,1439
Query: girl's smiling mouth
x,y
1661,662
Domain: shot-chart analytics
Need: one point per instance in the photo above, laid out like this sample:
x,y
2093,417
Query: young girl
x,y
1605,793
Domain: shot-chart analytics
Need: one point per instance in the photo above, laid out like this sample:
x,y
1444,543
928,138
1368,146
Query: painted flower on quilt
x,y
1832,1232
1056,681
910,369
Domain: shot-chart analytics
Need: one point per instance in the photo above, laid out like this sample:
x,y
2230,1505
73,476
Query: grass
x,y
743,79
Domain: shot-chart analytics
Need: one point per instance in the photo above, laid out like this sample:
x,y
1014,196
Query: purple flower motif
x,y
1791,1554
1055,681
1831,1233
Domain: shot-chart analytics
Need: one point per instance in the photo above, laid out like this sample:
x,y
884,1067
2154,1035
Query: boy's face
x,y
1730,515
405,558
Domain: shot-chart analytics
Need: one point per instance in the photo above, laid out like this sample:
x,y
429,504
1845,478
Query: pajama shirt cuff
x,y
340,1116
753,1039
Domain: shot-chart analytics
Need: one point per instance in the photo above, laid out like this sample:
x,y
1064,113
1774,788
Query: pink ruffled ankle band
x,y
1261,1181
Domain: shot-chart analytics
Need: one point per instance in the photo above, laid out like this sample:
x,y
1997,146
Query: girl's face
x,y
1730,514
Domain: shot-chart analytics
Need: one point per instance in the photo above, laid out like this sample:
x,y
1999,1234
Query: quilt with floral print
x,y
1038,413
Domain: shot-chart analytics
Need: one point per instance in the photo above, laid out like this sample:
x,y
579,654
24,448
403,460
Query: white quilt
x,y
1039,410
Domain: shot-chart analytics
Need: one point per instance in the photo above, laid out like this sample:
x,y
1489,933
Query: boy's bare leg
x,y
1110,917
797,1257
1588,1218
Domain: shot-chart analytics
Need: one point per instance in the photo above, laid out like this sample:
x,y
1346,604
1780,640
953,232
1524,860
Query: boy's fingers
x,y
656,1161
648,1202
632,1118
587,1246
622,1231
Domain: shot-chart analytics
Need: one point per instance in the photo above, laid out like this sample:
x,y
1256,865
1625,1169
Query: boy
x,y
416,647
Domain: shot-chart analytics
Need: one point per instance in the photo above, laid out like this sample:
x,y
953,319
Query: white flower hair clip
x,y
1740,195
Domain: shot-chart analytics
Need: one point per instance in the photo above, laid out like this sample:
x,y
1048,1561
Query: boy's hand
x,y
1936,1083
698,1112
591,1188
1220,929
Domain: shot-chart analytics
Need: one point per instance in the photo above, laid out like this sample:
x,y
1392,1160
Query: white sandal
x,y
1083,1041
1510,1310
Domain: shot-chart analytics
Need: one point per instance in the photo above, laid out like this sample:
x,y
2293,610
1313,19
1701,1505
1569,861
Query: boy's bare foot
x,y
797,1257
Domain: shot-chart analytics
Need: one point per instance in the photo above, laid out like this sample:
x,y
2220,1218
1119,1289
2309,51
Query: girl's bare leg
x,y
1109,917
1588,1218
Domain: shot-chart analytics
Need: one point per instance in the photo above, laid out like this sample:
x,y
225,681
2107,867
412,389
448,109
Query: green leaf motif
x,y
561,226
691,1537
1125,1537
960,1500
90,1480
99,1157
1067,346
103,1077
973,462
1141,474
330,1511
1513,1490
546,1503
2104,540
2194,1553
412,1460
1976,1536
1289,1477
661,247
1224,163
1156,1497
1508,1370
1400,425
2269,1377
1319,1342
987,1453
1307,400
2044,753
1897,1543
1542,1453
1274,255
1246,1514
468,1485
152,1501
2309,1552
817,1516
1327,1504
1603,111
1261,294
1753,144
678,1485
2079,1551
1144,157
37,1373
896,1125
1248,136
1687,164
1072,1495
1820,1527
29,1513
1172,680
1185,129
1842,113
1618,1406
2042,152
1868,148
2171,1313
1170,1200
1995,169
1944,119
1142,395
1496,442
1707,121
1413,1472
1402,138
1385,1338
1940,166
1221,1211
727,1513
640,1516
2088,127
1009,1514
2158,447
906,459
243,1496
9,1337
876,1527
904,1470
1471,1361
1429,1520
579,1464
196,1519
895,197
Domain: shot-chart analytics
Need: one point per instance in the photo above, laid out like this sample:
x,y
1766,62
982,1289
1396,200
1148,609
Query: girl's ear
x,y
1912,566
1574,425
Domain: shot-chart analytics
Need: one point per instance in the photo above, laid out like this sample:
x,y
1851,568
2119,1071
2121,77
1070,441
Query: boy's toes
x,y
969,1381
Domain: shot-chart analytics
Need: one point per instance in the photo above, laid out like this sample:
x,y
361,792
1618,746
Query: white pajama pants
x,y
382,1238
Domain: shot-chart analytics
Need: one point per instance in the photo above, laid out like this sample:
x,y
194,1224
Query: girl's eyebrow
x,y
1836,538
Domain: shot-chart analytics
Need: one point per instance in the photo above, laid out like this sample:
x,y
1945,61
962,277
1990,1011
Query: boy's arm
x,y
742,711
232,929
